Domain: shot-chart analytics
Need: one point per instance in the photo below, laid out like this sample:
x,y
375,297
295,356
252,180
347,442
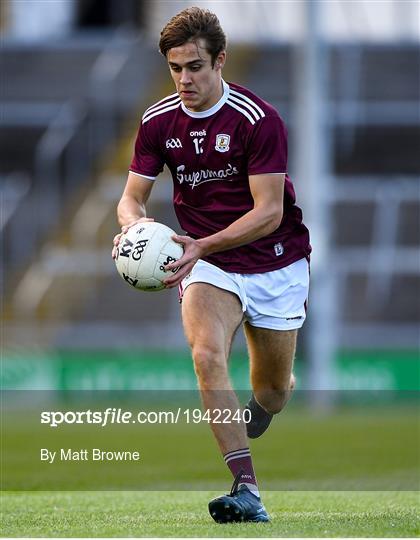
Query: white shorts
x,y
275,300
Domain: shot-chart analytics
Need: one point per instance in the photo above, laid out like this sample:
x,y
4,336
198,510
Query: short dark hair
x,y
192,24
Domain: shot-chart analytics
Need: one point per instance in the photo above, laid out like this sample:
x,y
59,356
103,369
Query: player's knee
x,y
209,363
274,398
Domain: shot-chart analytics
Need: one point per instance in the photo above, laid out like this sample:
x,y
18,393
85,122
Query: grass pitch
x,y
184,514
360,450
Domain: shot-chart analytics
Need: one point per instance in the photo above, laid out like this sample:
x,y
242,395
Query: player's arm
x,y
132,206
265,217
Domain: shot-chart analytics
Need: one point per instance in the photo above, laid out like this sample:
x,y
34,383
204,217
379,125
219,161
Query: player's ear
x,y
220,60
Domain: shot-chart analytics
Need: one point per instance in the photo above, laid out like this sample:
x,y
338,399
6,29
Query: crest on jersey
x,y
222,142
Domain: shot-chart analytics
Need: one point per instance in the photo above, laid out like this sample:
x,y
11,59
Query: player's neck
x,y
217,96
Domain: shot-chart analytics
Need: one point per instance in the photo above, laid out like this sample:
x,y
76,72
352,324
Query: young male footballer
x,y
246,249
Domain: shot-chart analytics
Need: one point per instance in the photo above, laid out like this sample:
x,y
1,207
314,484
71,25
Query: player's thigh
x,y
210,316
271,356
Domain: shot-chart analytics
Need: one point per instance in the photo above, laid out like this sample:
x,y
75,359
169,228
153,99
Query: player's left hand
x,y
192,252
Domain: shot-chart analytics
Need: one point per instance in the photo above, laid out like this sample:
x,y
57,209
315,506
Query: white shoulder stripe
x,y
244,104
148,117
159,107
248,100
240,109
172,96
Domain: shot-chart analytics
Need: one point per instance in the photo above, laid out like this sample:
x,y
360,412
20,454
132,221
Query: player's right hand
x,y
124,229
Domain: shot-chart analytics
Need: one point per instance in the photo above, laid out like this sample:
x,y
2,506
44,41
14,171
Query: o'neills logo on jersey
x,y
205,175
201,133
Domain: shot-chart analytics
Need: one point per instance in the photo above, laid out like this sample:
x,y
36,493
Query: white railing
x,y
13,188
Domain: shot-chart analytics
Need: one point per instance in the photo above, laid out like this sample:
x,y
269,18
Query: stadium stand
x,y
63,102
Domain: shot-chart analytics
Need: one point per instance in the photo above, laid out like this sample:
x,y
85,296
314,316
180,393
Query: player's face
x,y
198,84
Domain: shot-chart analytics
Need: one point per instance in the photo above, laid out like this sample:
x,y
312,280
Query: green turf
x,y
360,450
183,514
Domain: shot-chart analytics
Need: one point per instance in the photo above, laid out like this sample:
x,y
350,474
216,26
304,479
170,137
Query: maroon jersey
x,y
210,155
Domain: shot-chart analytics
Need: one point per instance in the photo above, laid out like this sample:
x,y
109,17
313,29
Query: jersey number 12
x,y
197,144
